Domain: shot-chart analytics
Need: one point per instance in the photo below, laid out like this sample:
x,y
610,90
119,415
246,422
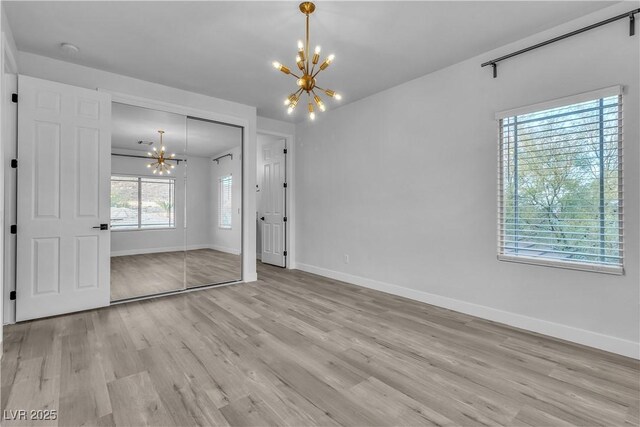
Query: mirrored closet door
x,y
148,172
214,203
176,202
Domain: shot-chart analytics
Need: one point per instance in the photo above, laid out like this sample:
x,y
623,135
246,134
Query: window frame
x,y
221,180
140,227
501,217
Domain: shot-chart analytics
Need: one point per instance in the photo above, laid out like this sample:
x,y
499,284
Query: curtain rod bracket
x,y
217,159
495,69
632,24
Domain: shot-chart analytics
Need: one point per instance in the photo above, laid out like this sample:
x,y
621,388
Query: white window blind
x,y
225,209
560,198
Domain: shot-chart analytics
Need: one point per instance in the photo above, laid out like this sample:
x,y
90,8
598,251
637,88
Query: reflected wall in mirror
x,y
214,203
147,208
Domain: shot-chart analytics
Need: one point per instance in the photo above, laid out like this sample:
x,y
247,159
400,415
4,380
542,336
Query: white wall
x,y
275,127
225,111
404,182
226,240
201,203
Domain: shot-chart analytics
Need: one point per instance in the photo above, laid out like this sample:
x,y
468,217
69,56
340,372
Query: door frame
x,y
289,206
211,116
9,149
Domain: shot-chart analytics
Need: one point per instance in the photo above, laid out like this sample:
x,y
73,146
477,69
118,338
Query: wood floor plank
x,y
83,388
180,389
35,388
135,402
297,349
248,412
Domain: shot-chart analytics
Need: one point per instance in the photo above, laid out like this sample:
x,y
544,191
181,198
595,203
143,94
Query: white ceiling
x,y
225,49
191,136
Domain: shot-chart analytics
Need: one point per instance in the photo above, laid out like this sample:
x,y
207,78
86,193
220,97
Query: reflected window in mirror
x,y
139,202
225,202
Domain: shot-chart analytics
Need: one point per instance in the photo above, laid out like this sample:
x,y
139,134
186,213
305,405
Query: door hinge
x,y
14,229
14,163
284,219
12,295
284,185
14,97
284,151
284,253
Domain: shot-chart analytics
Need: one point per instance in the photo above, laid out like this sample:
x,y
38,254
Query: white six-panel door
x,y
64,167
273,204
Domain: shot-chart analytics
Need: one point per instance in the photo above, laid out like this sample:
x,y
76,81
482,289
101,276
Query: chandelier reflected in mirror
x,y
160,158
307,64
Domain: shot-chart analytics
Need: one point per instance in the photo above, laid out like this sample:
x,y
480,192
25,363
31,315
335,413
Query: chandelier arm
x,y
294,75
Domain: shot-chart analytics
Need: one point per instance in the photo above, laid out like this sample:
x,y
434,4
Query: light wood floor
x,y
149,274
298,349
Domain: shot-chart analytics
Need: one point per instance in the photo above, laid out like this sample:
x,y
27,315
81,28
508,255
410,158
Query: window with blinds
x,y
560,183
140,202
225,209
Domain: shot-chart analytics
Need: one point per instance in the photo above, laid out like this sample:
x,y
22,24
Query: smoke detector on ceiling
x,y
69,49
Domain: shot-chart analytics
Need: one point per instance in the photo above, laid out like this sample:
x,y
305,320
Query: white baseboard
x,y
250,278
233,251
557,330
174,249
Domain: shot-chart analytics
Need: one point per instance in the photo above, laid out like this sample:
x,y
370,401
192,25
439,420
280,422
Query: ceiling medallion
x,y
160,164
307,65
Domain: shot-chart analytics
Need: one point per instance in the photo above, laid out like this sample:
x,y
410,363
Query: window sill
x,y
123,229
567,265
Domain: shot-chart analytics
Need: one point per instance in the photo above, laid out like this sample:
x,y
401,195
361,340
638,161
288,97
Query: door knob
x,y
262,218
102,226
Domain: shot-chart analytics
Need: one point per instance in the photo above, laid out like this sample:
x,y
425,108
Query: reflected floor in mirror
x,y
148,274
208,266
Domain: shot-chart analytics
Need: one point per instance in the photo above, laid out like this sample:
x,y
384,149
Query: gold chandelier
x,y
307,65
160,164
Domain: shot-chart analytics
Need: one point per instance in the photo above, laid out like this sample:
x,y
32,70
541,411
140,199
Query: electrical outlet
x,y
346,258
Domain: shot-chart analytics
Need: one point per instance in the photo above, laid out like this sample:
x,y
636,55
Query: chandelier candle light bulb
x,y
312,115
327,62
307,65
319,102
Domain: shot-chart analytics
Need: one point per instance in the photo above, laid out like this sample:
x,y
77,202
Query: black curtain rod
x,y
217,159
632,30
146,157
